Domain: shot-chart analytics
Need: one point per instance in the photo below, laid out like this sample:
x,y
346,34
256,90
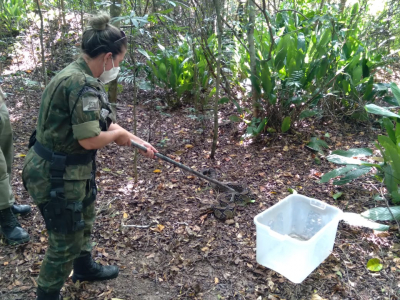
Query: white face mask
x,y
109,75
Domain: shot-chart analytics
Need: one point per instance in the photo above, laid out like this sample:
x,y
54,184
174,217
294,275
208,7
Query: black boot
x,y
11,229
22,210
42,295
86,269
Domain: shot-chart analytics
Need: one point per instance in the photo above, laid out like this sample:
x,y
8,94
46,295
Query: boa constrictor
x,y
226,202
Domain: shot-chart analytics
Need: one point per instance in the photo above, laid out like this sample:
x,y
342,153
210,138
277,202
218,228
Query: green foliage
x,y
388,171
11,13
354,167
383,213
286,124
337,195
174,68
317,144
255,127
374,265
309,59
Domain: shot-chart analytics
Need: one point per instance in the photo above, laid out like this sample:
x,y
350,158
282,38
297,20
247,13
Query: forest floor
x,y
190,254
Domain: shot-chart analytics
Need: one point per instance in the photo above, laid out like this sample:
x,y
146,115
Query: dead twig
x,y
153,223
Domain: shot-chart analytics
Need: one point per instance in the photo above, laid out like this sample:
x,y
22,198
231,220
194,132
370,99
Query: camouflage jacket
x,y
73,104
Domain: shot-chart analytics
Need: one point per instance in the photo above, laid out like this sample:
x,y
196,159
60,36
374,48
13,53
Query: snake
x,y
226,202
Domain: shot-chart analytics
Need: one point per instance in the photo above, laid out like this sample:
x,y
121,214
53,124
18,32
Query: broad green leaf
x,y
358,152
352,175
335,173
266,81
368,90
396,91
342,160
346,86
255,82
307,113
390,100
391,181
172,80
394,158
163,72
374,265
316,144
291,57
357,73
355,8
223,100
383,139
322,68
261,126
354,62
279,59
212,92
281,52
375,109
388,124
358,220
292,191
382,213
144,53
366,71
325,38
337,195
301,41
106,169
286,124
397,130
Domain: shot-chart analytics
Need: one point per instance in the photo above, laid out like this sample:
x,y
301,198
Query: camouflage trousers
x,y
62,248
6,158
61,252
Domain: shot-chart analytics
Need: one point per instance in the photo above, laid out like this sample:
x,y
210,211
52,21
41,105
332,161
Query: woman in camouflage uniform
x,y
75,119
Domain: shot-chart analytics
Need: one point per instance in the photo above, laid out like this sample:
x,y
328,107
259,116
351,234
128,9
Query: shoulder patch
x,y
90,102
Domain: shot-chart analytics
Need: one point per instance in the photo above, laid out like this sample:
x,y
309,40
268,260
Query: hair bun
x,y
99,22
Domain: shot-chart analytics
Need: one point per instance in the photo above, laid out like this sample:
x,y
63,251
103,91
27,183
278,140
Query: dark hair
x,y
101,37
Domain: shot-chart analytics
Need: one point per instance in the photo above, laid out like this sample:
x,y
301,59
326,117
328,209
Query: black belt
x,y
70,159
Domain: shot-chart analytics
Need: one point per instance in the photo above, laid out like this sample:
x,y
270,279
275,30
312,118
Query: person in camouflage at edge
x,y
75,119
9,226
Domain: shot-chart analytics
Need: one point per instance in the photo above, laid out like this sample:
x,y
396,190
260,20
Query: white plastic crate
x,y
295,235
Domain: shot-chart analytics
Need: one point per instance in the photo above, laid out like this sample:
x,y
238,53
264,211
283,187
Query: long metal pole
x,y
179,165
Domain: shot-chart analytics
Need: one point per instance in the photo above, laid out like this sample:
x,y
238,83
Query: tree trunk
x,y
253,68
63,12
115,11
41,44
217,4
342,5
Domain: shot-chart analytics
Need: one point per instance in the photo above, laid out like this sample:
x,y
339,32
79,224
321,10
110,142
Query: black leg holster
x,y
60,215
